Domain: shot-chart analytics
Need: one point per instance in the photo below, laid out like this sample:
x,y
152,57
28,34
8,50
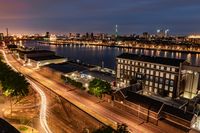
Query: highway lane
x,y
43,106
83,102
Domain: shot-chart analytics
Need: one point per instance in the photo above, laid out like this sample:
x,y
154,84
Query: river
x,y
98,54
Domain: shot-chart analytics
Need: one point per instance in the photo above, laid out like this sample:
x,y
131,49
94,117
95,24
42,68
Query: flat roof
x,y
41,58
177,112
144,101
66,67
5,127
34,51
152,59
100,75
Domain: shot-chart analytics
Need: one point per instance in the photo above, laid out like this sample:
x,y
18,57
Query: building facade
x,y
158,75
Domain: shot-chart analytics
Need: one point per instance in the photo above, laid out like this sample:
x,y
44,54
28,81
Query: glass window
x,y
147,77
162,67
161,74
152,66
172,76
161,80
157,67
160,86
150,83
147,71
146,82
171,89
170,94
156,85
167,75
171,82
166,88
151,78
125,67
167,81
157,73
155,90
173,69
168,68
156,79
151,72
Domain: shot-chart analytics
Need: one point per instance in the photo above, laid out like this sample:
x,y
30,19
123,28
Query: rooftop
x,y
100,75
34,51
177,112
152,59
144,101
42,58
66,67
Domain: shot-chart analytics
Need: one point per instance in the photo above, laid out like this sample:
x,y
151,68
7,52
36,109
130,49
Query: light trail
x,y
43,107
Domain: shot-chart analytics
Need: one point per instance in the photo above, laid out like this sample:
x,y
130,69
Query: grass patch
x,y
23,128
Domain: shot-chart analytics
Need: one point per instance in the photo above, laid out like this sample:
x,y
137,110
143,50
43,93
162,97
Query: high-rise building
x,y
1,37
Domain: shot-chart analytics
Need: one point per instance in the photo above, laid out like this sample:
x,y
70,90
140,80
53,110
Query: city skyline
x,y
27,17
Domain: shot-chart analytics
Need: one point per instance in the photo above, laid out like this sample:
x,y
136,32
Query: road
x,y
43,106
109,116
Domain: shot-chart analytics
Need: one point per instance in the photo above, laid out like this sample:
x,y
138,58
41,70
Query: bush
x,y
98,87
75,83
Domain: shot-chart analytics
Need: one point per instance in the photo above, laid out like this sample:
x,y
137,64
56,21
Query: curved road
x,y
43,107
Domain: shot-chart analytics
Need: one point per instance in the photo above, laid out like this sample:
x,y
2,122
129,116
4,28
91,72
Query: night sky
x,y
132,16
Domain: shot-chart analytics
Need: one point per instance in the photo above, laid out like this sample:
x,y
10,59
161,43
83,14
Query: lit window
x,y
173,69
146,82
172,76
157,73
166,88
167,75
151,72
157,67
161,74
160,86
150,88
155,90
150,83
152,66
147,71
168,68
171,89
125,67
162,67
156,85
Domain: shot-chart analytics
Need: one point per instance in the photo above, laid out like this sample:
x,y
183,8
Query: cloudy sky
x,y
132,16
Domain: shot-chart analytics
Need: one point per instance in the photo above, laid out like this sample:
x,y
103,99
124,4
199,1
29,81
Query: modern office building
x,y
158,75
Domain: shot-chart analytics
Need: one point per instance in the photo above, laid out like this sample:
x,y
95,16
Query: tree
x,y
98,87
14,85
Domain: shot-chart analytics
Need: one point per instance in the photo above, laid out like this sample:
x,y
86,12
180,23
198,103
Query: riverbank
x,y
146,46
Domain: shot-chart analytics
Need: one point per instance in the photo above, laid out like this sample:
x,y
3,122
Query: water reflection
x,y
95,55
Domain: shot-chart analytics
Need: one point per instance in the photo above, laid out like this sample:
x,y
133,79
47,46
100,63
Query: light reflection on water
x,y
95,55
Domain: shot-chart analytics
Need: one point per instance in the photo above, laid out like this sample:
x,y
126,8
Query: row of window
x,y
148,73
155,90
127,64
159,85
